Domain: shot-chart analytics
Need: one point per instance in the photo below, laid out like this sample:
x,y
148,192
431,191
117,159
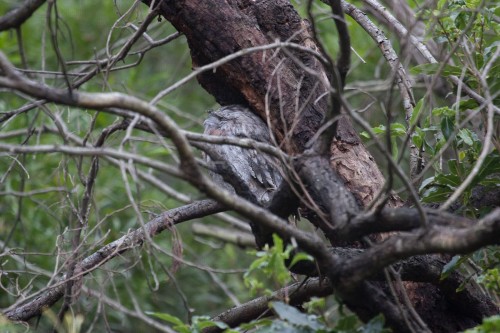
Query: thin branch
x,y
481,158
400,76
85,151
400,173
338,78
344,57
403,34
34,307
240,238
232,56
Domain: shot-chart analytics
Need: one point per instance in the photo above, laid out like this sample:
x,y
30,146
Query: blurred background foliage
x,y
39,227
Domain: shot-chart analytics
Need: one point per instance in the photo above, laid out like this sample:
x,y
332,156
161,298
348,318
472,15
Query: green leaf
x,y
439,188
416,112
271,265
428,69
443,112
447,127
315,304
455,167
430,129
461,20
295,317
466,136
436,194
347,323
178,324
278,243
398,129
299,257
439,144
166,317
490,279
429,148
417,140
379,129
490,182
425,183
461,155
449,180
256,323
279,326
452,265
472,3
375,325
490,166
468,104
204,323
159,151
440,6
490,50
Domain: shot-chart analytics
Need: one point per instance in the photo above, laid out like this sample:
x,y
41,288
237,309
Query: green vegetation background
x,y
33,225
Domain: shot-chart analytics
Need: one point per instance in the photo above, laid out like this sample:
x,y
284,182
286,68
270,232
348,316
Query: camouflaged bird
x,y
248,172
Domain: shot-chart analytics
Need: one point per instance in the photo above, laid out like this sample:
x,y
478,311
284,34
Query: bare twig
x,y
34,307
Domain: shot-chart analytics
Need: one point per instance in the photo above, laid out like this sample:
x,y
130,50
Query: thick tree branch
x,y
17,16
399,219
433,239
336,203
255,25
297,294
421,269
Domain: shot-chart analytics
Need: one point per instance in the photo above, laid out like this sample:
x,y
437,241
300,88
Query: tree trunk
x,y
288,88
274,78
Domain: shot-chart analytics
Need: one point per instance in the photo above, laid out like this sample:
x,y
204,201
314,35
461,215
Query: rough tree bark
x,y
272,79
288,88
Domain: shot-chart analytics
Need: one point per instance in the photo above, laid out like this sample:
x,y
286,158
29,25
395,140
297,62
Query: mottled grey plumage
x,y
248,172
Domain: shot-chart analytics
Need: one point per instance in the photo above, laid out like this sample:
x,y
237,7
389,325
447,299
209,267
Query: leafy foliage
x,y
293,321
445,134
443,131
491,280
38,229
271,264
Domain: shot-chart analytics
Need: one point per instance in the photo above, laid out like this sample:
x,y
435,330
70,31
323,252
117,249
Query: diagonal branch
x,y
49,296
17,16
